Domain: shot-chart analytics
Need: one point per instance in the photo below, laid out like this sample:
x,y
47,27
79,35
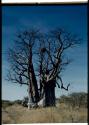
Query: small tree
x,y
37,60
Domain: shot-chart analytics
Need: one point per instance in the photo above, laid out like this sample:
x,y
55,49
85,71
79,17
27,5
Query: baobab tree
x,y
37,60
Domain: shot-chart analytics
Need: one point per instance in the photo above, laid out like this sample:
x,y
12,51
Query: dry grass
x,y
62,113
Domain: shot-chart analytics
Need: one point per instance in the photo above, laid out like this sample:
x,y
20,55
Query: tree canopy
x,y
38,59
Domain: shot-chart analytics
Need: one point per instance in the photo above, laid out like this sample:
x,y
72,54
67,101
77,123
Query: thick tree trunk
x,y
33,88
49,92
34,85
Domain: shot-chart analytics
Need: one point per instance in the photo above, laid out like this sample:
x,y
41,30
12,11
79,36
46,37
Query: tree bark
x,y
49,92
32,80
34,86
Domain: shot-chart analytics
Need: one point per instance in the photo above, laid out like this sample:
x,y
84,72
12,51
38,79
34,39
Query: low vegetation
x,y
75,99
69,109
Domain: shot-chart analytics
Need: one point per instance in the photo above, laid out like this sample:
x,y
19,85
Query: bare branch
x,y
62,87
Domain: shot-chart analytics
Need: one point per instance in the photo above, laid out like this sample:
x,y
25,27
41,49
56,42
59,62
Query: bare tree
x,y
37,60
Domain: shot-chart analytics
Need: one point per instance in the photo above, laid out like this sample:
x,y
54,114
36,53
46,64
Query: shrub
x,y
75,99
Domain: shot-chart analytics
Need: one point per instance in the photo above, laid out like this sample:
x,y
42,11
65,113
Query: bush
x,y
6,103
75,99
25,102
18,101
